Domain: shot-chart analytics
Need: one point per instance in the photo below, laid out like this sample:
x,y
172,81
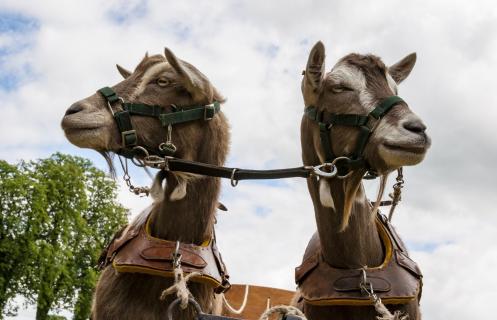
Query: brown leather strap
x,y
165,253
307,266
348,284
223,271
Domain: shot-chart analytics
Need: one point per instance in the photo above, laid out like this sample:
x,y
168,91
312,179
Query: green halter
x,y
366,125
167,119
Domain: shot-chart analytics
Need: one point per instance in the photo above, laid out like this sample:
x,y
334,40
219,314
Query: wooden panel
x,y
257,300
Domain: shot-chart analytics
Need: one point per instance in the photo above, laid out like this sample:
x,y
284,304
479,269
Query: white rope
x,y
282,310
180,287
242,307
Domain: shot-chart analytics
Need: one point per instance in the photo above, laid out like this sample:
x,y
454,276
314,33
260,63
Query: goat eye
x,y
340,88
163,82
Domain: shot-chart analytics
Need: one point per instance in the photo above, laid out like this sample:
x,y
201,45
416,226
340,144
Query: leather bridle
x,y
129,145
366,125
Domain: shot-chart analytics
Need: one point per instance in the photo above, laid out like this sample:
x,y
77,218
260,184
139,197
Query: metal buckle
x,y
209,112
126,134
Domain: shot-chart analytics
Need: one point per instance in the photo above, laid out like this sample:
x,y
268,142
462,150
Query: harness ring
x,y
233,181
173,304
325,174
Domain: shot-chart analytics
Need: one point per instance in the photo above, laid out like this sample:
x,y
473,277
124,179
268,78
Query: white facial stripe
x,y
152,72
391,83
350,76
368,100
356,80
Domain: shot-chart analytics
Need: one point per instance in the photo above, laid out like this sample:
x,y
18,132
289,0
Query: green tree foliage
x,y
56,216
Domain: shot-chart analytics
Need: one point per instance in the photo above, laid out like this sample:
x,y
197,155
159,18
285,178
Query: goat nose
x,y
75,108
415,126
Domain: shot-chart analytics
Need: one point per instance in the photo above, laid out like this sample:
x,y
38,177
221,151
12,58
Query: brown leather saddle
x,y
134,250
397,280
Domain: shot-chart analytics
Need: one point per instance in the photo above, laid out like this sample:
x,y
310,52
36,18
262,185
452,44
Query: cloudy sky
x,y
53,53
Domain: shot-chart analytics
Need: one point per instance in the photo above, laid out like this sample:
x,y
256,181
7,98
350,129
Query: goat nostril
x,y
75,108
414,126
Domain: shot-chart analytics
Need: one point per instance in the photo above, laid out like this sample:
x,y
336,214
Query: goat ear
x,y
191,78
125,73
314,73
400,70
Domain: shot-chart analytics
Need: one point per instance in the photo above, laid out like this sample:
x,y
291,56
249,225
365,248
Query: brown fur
x,y
348,236
189,219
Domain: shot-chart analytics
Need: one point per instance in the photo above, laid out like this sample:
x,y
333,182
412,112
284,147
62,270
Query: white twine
x,y
180,287
282,310
385,314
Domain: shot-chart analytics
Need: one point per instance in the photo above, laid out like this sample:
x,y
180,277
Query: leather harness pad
x,y
398,280
135,251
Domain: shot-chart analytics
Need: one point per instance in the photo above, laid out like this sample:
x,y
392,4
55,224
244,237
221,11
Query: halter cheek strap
x,y
177,115
366,125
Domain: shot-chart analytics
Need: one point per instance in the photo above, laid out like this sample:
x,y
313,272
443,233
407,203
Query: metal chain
x,y
396,196
145,191
168,147
367,287
381,309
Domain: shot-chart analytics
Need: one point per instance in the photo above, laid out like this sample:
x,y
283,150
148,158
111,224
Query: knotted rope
x,y
282,310
180,287
180,281
385,314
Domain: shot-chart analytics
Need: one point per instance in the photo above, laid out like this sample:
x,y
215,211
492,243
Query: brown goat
x,y
185,209
347,235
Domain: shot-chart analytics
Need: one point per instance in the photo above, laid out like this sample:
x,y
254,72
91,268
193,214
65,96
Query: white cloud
x,y
254,51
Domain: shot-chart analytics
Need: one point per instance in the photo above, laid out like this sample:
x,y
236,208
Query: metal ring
x,y
325,174
138,162
340,159
344,176
234,182
110,107
142,149
173,304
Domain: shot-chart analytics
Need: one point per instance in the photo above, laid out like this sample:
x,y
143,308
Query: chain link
x,y
145,191
396,195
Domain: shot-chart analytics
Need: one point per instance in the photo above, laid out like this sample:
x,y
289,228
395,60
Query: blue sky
x,y
15,26
52,55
